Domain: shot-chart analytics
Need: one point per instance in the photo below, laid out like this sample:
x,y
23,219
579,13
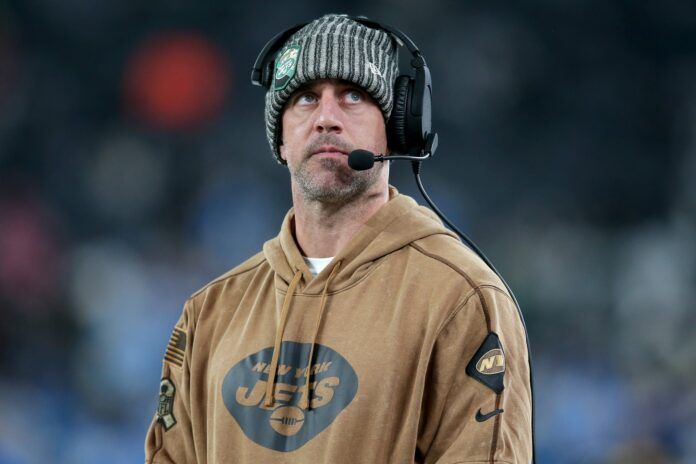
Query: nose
x,y
328,115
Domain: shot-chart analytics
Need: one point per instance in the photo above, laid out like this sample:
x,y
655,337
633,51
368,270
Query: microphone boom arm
x,y
382,158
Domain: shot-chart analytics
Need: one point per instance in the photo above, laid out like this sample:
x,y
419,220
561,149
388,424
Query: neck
x,y
322,230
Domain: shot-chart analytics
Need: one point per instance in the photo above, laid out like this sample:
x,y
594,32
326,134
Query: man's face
x,y
322,123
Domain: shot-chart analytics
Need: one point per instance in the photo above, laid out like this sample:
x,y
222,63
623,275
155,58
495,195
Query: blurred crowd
x,y
134,169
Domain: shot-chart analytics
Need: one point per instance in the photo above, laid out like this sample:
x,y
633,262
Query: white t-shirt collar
x,y
316,265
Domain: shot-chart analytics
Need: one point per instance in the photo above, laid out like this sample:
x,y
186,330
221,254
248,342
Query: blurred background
x,y
134,169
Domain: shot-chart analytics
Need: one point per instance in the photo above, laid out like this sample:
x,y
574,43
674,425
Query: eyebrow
x,y
307,85
303,88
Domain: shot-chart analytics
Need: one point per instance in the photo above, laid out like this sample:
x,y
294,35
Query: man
x,y
365,332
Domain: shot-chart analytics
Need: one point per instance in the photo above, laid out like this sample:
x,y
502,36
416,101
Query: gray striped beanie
x,y
332,47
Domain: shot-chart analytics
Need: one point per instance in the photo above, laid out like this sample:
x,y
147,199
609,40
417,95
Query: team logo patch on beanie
x,y
285,67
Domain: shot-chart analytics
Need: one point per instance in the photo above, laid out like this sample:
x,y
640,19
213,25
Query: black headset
x,y
409,126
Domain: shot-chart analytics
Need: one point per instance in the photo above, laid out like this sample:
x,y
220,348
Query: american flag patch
x,y
176,348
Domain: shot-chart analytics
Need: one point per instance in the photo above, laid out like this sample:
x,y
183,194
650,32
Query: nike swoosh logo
x,y
484,417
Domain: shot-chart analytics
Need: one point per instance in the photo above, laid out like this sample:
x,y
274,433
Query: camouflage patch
x,y
165,407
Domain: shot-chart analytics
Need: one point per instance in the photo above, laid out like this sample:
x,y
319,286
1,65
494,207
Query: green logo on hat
x,y
285,67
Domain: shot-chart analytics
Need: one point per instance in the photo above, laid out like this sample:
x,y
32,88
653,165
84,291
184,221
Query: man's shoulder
x,y
245,267
456,260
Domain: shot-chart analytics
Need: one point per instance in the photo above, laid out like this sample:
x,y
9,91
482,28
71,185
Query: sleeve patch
x,y
176,348
488,364
165,407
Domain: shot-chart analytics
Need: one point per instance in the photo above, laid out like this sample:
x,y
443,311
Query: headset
x,y
409,128
409,132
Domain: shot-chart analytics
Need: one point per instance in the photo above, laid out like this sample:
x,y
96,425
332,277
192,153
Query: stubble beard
x,y
343,186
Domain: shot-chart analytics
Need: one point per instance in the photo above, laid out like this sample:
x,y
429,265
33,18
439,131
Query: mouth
x,y
329,151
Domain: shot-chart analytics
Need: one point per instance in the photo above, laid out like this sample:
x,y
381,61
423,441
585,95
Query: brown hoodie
x,y
405,348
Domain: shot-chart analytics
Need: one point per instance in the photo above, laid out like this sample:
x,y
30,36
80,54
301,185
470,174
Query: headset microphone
x,y
361,160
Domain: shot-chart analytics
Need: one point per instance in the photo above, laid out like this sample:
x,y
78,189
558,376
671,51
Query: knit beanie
x,y
332,47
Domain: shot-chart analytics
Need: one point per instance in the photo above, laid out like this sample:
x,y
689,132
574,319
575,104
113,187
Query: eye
x,y
305,99
354,96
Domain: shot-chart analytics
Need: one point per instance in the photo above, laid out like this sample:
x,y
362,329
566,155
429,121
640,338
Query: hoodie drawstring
x,y
270,385
305,398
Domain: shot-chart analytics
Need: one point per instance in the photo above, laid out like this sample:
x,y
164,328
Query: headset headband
x,y
261,72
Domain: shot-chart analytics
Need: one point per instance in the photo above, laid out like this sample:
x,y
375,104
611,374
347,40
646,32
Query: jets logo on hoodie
x,y
296,414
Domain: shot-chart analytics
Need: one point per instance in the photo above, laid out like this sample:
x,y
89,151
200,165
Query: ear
x,y
281,151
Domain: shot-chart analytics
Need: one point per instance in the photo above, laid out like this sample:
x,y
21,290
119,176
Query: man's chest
x,y
368,364
373,336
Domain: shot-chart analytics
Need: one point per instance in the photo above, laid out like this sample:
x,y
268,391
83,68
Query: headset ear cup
x,y
397,126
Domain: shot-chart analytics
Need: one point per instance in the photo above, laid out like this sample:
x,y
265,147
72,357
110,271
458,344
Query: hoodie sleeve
x,y
477,401
169,439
